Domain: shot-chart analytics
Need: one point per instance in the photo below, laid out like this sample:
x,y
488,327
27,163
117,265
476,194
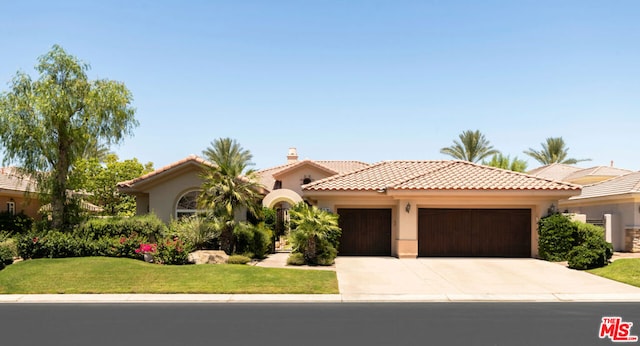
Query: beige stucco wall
x,y
624,214
29,205
164,196
404,242
292,180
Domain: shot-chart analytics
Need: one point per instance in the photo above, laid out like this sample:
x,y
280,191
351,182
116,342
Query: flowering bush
x,y
173,251
146,249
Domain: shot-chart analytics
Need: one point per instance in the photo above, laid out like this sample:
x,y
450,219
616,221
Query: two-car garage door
x,y
441,232
474,232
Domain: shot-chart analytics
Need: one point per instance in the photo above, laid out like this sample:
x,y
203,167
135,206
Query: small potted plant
x,y
147,251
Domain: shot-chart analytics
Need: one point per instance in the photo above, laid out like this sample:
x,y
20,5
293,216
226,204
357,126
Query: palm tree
x,y
310,226
229,186
505,162
473,147
553,151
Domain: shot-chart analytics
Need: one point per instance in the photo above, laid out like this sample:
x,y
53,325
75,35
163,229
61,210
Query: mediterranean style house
x,y
392,208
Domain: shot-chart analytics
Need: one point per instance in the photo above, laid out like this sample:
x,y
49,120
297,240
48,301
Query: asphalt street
x,y
496,323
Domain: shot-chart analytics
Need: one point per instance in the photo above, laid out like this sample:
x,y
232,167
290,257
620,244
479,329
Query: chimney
x,y
292,156
611,163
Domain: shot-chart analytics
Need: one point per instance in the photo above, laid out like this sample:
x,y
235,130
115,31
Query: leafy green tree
x,y
554,150
473,147
229,186
46,124
100,179
505,162
314,232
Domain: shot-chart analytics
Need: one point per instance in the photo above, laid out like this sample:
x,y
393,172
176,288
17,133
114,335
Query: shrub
x,y
582,245
173,251
198,231
148,226
593,251
7,252
15,223
555,237
253,238
295,259
238,259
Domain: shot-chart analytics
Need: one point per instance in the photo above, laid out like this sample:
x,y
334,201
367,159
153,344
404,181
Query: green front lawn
x,y
624,270
121,275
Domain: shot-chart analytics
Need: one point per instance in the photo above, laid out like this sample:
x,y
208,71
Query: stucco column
x,y
407,238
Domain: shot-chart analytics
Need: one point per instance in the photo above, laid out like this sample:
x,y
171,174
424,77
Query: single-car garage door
x,y
474,232
365,232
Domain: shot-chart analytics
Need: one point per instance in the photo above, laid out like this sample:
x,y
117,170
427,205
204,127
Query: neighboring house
x,y
171,191
437,208
618,197
18,194
577,175
610,198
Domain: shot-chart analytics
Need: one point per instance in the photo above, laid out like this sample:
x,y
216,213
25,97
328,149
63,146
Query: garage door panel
x,y
365,232
449,232
474,232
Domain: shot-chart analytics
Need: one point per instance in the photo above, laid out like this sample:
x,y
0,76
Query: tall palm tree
x,y
310,226
553,151
505,162
229,186
473,147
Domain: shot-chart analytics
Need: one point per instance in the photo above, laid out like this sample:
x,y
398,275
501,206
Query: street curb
x,y
305,298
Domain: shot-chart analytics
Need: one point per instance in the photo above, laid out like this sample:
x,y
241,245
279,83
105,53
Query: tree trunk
x,y
310,255
59,188
227,241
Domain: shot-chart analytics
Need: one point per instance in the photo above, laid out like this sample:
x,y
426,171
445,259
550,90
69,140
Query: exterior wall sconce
x,y
407,208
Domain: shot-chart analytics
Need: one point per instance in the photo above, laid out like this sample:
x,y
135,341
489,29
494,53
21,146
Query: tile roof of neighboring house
x,y
187,160
10,179
554,171
562,172
435,175
338,167
628,183
602,171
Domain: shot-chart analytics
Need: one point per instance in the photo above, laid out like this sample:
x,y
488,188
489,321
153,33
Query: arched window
x,y
187,204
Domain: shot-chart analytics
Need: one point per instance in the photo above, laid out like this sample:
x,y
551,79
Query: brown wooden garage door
x,y
474,232
365,232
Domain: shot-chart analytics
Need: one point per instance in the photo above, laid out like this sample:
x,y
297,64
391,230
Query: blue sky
x,y
352,80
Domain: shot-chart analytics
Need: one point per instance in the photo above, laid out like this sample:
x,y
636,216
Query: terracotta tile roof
x,y
554,171
266,176
191,159
599,171
11,179
626,184
435,175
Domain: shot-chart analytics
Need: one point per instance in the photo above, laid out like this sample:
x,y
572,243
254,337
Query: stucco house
x,y
408,209
392,208
610,198
171,191
617,201
18,193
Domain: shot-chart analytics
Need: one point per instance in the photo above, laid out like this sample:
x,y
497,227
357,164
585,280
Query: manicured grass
x,y
121,275
624,270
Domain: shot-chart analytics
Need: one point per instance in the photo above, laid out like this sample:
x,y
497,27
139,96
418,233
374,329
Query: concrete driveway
x,y
472,279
